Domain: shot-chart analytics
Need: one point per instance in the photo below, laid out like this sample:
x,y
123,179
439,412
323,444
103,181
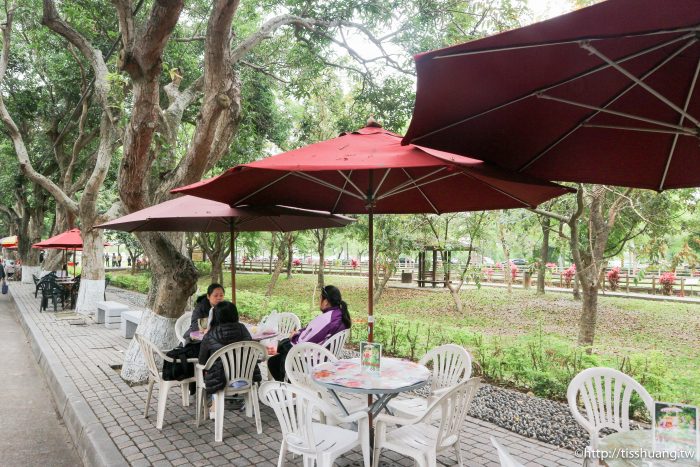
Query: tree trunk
x,y
215,272
454,291
321,237
174,280
589,316
507,275
544,254
281,257
290,254
92,278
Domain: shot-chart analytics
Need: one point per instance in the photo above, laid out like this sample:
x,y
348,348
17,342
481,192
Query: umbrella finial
x,y
372,123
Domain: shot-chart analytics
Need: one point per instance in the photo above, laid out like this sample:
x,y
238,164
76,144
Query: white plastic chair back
x,y
269,320
149,351
451,364
286,323
504,456
301,359
606,394
336,343
181,325
453,407
294,407
239,360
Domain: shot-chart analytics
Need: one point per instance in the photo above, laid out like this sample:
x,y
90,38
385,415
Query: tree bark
x,y
281,256
545,222
321,236
507,275
290,254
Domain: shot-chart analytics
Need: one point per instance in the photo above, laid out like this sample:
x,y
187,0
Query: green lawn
x,y
520,340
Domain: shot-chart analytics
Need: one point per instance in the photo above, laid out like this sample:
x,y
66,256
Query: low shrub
x,y
140,282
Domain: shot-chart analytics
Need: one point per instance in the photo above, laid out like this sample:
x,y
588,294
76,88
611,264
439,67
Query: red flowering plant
x,y
551,265
489,274
296,262
513,271
613,276
354,263
569,274
667,280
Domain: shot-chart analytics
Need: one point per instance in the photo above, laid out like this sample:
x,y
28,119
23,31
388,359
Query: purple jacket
x,y
325,325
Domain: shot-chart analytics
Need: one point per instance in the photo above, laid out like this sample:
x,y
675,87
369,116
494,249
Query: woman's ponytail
x,y
332,294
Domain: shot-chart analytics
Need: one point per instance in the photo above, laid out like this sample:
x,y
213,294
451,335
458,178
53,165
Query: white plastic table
x,y
632,444
395,376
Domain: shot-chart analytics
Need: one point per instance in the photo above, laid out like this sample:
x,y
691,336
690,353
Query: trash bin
x,y
406,277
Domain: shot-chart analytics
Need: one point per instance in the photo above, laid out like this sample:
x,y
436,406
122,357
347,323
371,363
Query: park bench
x,y
110,313
130,321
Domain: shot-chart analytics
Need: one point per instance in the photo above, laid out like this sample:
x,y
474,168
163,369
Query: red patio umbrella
x,y
68,240
606,94
368,172
191,214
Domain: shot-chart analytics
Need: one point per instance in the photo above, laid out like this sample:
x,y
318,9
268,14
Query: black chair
x,y
51,290
36,284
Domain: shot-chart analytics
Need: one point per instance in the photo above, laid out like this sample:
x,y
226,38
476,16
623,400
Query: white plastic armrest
x,y
193,360
353,417
393,419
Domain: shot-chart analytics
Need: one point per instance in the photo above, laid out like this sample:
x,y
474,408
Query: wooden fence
x,y
686,284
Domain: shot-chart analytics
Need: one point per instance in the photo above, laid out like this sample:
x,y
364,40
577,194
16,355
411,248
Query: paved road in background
x,y
31,433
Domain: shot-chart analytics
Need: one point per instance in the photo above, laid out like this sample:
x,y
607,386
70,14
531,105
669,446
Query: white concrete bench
x,y
130,321
110,313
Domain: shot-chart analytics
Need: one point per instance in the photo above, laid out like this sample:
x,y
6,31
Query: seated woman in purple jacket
x,y
334,318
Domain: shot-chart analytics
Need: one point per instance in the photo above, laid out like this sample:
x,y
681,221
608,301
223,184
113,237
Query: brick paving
x,y
89,351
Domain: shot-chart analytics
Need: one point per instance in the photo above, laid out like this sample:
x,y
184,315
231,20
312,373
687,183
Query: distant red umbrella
x,y
70,239
368,172
9,242
191,214
607,94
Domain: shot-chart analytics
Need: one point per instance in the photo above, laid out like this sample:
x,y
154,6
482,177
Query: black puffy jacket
x,y
219,336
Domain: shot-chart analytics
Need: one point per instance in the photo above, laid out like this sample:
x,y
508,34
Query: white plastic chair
x,y
451,364
606,394
269,320
315,442
418,438
286,323
149,351
298,365
504,456
336,342
181,325
239,360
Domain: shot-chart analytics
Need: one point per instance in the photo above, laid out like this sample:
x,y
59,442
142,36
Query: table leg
x,y
340,403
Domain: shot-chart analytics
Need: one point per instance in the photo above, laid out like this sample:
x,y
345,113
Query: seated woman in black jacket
x,y
225,329
204,303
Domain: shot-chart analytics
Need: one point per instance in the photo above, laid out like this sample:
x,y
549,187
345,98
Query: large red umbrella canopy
x,y
191,214
370,167
369,171
606,94
69,239
9,242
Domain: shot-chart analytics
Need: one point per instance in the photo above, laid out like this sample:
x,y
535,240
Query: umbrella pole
x,y
233,266
370,304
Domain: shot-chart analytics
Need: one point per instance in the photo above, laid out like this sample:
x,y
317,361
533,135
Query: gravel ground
x,y
534,417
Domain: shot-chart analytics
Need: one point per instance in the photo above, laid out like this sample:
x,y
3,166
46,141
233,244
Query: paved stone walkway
x,y
89,351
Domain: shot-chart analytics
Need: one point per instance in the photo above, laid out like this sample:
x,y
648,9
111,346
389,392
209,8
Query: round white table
x,y
632,444
394,377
